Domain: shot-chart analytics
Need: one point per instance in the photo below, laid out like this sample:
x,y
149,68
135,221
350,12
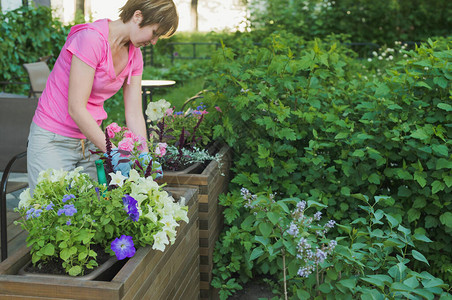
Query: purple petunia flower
x,y
123,247
130,206
68,197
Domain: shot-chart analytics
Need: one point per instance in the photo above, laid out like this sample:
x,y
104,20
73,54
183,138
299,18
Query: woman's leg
x,y
50,150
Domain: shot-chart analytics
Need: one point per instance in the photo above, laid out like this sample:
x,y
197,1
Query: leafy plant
x,y
78,213
309,123
284,238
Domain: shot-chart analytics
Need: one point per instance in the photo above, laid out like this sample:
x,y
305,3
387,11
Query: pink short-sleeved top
x,y
89,42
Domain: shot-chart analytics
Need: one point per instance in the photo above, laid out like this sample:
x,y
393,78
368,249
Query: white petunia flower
x,y
25,199
133,176
117,179
160,240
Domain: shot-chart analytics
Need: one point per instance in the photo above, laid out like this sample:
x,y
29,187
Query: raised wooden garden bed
x,y
149,274
211,182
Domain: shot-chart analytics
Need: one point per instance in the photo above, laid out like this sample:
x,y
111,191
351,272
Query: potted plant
x,y
72,219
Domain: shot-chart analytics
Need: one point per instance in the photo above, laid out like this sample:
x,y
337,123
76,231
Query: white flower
x,y
369,59
168,222
117,179
25,199
156,110
160,240
151,215
133,176
58,175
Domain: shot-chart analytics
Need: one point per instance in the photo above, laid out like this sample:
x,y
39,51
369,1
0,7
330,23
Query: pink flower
x,y
126,144
218,108
141,143
129,134
112,129
169,112
160,150
203,112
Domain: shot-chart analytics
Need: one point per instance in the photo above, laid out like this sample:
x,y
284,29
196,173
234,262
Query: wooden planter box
x,y
149,274
211,182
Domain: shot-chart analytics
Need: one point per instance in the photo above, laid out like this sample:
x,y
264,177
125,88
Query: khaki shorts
x,y
50,150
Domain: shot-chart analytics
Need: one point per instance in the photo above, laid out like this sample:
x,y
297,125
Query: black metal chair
x,y
15,118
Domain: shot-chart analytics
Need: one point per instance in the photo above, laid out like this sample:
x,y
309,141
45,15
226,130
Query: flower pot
x,y
211,182
149,274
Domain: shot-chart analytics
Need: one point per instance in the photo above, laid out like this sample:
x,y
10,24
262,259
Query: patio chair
x,y
38,72
15,119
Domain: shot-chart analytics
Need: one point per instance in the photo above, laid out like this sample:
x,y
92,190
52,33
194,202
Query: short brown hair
x,y
161,12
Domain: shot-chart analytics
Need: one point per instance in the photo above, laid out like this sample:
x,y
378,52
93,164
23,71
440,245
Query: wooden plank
x,y
59,288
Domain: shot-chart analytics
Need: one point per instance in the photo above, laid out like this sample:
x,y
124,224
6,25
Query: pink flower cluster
x,y
127,139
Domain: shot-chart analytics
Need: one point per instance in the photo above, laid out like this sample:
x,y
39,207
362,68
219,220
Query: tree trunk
x,y
80,7
194,15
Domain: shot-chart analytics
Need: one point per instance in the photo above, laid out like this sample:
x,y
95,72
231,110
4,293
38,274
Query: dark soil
x,y
54,266
253,291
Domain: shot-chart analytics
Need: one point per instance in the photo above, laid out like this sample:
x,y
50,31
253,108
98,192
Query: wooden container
x,y
212,181
149,274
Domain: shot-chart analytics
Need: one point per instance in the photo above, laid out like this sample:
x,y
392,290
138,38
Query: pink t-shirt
x,y
89,42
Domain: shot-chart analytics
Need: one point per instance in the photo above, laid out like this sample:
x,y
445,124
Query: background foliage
x,y
317,128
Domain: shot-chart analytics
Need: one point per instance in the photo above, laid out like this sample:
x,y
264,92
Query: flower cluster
x,y
310,253
132,149
182,134
78,213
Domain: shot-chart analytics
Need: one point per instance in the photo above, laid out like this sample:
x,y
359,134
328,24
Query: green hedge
x,y
304,122
28,33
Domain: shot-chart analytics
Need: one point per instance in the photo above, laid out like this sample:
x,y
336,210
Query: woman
x,y
96,61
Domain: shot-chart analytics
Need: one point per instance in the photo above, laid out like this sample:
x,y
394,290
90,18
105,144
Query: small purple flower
x,y
69,210
320,255
330,224
293,229
68,197
50,206
123,247
301,205
33,213
68,222
317,216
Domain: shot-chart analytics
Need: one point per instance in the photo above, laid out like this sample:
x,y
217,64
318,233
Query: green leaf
x,y
65,254
256,253
358,153
423,84
393,222
448,180
417,255
446,219
348,283
437,186
441,150
49,250
273,217
75,270
420,134
266,229
419,177
312,203
341,135
421,237
445,106
374,178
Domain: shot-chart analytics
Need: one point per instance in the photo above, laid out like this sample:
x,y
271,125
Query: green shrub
x,y
286,239
28,33
307,122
